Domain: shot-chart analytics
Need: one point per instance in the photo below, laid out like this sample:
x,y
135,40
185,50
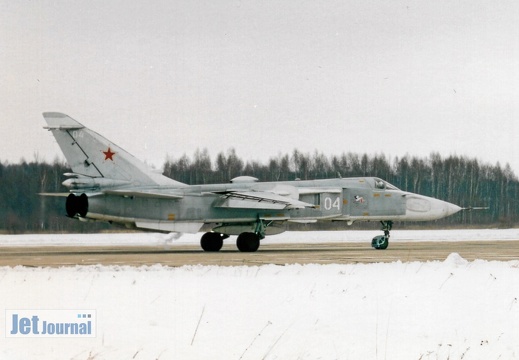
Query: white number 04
x,y
329,203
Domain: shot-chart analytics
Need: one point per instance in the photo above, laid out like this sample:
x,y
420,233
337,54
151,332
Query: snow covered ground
x,y
139,238
450,309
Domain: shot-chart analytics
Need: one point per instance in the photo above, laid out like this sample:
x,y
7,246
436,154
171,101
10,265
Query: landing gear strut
x,y
381,242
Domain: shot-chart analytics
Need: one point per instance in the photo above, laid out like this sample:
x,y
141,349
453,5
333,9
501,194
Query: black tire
x,y
211,242
248,242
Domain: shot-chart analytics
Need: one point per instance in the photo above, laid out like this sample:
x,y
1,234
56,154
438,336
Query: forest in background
x,y
457,179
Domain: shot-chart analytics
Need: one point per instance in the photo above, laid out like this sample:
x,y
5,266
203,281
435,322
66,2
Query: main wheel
x,y
380,242
248,242
211,241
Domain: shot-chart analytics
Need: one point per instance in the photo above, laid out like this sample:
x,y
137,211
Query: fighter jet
x,y
109,184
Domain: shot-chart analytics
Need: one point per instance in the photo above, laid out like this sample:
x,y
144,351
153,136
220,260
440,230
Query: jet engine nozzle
x,y
77,205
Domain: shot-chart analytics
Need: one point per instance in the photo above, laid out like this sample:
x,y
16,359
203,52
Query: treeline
x,y
457,179
460,180
22,210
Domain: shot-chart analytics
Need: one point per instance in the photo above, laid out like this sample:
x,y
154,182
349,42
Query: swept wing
x,y
258,200
152,194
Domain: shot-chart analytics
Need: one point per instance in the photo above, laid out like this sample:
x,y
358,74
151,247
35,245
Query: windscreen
x,y
384,185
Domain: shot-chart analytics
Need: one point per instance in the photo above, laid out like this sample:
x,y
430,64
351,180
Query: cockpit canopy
x,y
380,184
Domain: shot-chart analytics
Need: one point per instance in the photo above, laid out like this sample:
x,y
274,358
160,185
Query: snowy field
x,y
290,237
451,309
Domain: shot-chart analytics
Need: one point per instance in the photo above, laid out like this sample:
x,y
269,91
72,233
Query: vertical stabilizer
x,y
92,155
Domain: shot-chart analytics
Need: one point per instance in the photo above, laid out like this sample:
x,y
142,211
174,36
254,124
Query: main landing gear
x,y
246,242
381,242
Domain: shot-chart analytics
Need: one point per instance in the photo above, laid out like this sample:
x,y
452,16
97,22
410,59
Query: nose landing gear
x,y
381,242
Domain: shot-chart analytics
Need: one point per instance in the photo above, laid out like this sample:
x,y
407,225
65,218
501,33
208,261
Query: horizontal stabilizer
x,y
259,200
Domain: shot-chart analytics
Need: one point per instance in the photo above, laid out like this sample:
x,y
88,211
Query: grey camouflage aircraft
x,y
109,184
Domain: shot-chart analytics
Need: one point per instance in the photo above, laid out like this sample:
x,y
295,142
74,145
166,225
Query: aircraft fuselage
x,y
351,199
109,184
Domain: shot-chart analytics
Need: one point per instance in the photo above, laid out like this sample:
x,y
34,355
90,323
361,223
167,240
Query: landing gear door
x,y
331,204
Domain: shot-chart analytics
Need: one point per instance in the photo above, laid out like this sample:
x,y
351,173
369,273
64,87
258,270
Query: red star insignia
x,y
109,154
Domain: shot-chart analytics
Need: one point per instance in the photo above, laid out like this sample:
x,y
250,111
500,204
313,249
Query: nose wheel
x,y
381,242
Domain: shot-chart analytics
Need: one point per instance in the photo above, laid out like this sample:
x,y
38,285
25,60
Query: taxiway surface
x,y
280,254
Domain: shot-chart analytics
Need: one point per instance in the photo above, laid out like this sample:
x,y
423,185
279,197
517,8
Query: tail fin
x,y
90,154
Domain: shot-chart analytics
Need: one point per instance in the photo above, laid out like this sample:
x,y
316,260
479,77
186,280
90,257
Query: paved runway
x,y
281,254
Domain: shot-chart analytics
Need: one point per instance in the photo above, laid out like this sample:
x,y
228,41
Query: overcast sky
x,y
167,77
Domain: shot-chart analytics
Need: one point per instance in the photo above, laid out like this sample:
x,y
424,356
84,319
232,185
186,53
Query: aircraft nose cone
x,y
443,208
426,208
450,209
